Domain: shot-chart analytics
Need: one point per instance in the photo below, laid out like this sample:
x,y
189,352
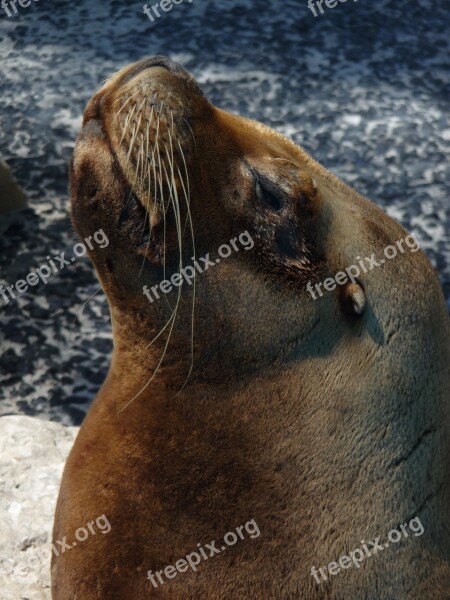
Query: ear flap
x,y
353,299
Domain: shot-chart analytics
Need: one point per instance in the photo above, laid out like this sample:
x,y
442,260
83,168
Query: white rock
x,y
32,457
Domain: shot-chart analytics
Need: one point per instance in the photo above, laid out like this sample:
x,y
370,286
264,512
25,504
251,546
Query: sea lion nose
x,y
156,61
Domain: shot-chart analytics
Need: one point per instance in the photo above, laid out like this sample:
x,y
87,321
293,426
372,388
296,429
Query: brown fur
x,y
325,429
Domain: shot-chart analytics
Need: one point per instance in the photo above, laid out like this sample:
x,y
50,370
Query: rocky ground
x,y
364,88
32,455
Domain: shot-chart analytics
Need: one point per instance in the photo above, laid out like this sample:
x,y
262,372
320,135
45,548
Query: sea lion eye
x,y
268,196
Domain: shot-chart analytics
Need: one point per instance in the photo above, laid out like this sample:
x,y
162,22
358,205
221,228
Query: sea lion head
x,y
171,179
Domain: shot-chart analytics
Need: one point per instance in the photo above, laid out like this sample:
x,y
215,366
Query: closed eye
x,y
268,196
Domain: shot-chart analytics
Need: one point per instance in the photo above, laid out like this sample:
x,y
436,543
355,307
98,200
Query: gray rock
x,y
32,456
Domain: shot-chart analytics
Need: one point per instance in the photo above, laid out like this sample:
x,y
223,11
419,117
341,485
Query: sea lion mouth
x,y
149,63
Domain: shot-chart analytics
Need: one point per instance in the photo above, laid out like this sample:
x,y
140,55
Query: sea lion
x,y
238,403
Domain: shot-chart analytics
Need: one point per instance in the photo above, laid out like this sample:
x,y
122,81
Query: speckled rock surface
x,y
32,456
364,88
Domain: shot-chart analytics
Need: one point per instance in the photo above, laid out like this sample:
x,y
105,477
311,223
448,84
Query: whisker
x,y
125,103
79,312
127,121
157,366
135,131
165,178
172,318
149,163
159,164
139,159
171,161
188,207
193,136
